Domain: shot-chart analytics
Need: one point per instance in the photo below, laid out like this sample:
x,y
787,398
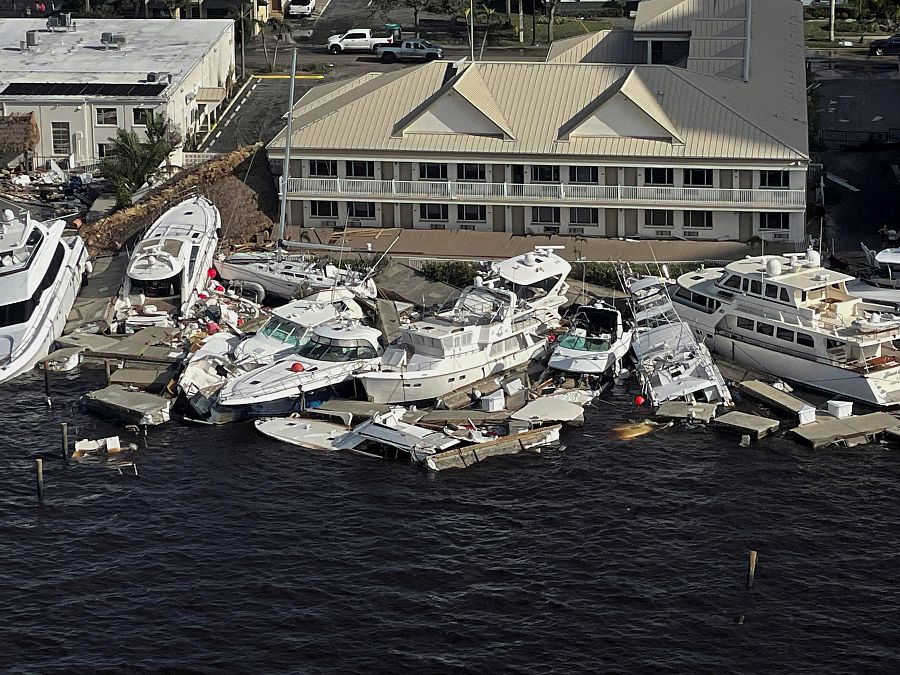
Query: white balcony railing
x,y
545,194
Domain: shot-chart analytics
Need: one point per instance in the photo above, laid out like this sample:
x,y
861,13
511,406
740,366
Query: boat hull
x,y
411,386
255,272
588,363
48,320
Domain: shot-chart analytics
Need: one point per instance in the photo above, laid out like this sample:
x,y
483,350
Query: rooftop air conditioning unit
x,y
105,38
354,223
329,223
151,77
31,39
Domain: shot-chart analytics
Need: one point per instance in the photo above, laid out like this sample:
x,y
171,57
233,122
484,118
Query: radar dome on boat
x,y
813,259
773,267
479,280
528,260
8,215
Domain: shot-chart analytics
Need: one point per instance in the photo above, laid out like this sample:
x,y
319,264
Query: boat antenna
x,y
378,262
340,256
286,166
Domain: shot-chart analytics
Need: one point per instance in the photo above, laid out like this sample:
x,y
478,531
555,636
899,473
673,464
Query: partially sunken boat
x,y
41,273
671,364
168,270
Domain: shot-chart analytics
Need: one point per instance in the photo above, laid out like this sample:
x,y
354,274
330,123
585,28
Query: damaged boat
x,y
595,343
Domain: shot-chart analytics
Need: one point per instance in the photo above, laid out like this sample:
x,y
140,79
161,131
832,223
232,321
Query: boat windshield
x,y
157,288
329,349
585,344
282,330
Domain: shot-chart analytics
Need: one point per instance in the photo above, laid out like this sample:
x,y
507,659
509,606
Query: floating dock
x,y
781,400
461,458
849,431
681,410
754,426
134,407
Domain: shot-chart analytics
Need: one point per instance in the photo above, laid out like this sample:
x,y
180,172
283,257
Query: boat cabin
x,y
536,275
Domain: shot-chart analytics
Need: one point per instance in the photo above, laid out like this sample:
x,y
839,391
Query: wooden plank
x,y
681,410
461,458
774,397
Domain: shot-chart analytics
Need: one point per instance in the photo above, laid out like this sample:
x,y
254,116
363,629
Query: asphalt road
x,y
255,115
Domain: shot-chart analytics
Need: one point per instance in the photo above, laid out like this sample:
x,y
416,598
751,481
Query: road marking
x,y
287,77
216,137
242,92
238,108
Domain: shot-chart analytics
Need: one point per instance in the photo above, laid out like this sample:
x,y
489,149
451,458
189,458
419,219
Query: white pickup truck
x,y
410,50
301,7
357,40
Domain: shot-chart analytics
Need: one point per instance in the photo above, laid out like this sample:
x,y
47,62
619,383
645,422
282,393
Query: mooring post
x,y
107,369
751,569
39,469
64,427
47,384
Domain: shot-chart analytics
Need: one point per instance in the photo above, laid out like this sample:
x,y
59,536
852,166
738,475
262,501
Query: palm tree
x,y
134,161
280,30
487,13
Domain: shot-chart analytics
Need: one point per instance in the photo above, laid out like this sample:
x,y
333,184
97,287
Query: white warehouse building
x,y
692,125
86,78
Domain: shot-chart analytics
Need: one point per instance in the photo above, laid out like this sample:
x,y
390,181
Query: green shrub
x,y
454,272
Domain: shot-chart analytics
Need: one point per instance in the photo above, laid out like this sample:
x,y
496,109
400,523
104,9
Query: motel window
x,y
432,171
544,173
775,221
140,116
104,150
659,218
584,216
805,340
744,324
361,169
323,209
470,172
698,178
475,213
360,209
655,176
323,168
584,174
698,219
774,180
62,139
765,328
544,214
433,211
107,117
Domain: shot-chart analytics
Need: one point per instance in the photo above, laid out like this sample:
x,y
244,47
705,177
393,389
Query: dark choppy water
x,y
231,552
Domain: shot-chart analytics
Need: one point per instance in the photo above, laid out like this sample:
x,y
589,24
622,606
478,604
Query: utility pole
x,y
534,22
831,23
472,29
521,21
243,40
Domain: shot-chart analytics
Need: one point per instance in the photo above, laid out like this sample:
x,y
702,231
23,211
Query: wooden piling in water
x,y
47,384
751,569
39,470
64,428
108,371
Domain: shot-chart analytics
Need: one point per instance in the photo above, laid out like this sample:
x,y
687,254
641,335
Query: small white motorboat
x,y
595,344
304,432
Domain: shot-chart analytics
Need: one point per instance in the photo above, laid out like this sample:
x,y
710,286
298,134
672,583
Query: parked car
x,y
357,40
301,7
882,47
410,50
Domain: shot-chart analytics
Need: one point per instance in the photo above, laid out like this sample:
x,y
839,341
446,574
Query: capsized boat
x,y
385,435
330,358
790,317
41,272
596,342
292,275
671,364
881,282
168,270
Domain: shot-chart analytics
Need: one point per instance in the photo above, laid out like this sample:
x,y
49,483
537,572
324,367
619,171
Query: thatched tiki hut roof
x,y
18,134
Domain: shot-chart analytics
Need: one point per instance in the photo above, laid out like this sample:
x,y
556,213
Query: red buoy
x,y
297,367
639,400
211,273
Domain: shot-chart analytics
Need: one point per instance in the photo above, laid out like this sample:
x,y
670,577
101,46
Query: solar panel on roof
x,y
81,89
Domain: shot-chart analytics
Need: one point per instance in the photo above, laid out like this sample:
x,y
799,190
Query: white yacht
x,y
538,278
169,268
789,316
290,326
671,364
41,273
881,282
318,368
487,331
290,276
595,343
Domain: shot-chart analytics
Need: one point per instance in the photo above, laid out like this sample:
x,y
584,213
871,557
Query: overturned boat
x,y
595,343
671,364
169,269
41,272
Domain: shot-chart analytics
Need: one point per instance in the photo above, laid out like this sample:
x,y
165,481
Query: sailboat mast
x,y
286,166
